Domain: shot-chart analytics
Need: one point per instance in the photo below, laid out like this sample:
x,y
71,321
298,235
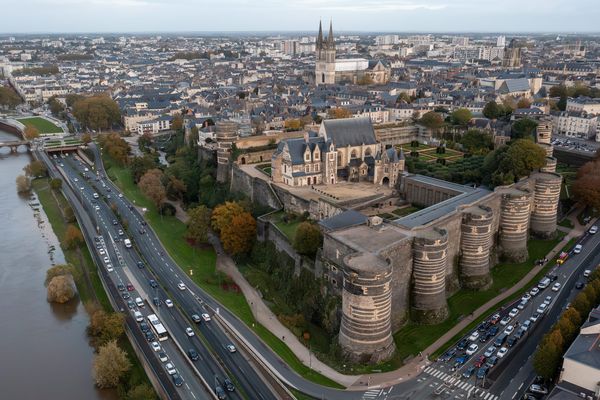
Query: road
x,y
216,362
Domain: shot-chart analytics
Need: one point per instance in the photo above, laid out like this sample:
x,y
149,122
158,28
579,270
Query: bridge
x,y
14,145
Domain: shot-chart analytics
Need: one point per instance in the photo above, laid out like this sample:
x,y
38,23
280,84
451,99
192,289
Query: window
x,y
316,155
353,154
307,156
368,152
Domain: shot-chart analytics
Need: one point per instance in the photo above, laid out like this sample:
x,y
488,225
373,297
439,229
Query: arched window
x,y
368,152
353,154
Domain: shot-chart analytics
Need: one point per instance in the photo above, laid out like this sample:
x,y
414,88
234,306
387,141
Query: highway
x,y
216,362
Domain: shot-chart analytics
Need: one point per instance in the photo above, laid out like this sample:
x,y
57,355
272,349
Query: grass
x,y
200,265
264,168
566,223
288,228
41,124
401,212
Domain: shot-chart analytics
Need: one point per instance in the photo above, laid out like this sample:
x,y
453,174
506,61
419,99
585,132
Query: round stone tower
x,y
365,331
546,195
543,131
514,224
430,251
226,135
550,165
475,243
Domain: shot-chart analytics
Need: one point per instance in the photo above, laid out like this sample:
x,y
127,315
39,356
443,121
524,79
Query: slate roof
x,y
297,146
343,220
584,348
514,85
349,131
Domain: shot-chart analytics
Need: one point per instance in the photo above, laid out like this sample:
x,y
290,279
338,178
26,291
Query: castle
x,y
328,70
342,149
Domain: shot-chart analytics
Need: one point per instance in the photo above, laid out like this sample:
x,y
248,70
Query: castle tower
x,y
365,331
514,224
325,58
512,55
226,135
543,135
476,240
430,250
545,204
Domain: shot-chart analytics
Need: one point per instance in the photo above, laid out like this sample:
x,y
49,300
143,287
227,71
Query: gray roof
x,y
343,220
349,131
515,85
584,348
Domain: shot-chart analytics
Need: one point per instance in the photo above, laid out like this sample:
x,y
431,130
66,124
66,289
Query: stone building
x,y
226,135
512,55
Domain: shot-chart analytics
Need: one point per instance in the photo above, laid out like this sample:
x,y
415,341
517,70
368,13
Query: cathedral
x,y
328,70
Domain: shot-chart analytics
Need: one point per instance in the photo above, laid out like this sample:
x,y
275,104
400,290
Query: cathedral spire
x,y
330,42
320,37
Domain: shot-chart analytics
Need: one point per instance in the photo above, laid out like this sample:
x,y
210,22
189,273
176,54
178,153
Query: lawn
x,y
401,212
200,265
264,168
566,223
41,124
288,228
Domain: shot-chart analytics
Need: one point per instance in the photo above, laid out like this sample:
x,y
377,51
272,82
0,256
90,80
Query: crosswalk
x,y
372,394
455,382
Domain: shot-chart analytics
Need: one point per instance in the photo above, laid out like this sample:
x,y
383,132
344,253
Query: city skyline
x,y
144,16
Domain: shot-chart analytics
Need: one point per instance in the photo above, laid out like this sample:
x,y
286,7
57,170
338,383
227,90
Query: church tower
x,y
325,57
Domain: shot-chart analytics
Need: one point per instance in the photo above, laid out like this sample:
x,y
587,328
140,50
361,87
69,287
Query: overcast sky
x,y
56,16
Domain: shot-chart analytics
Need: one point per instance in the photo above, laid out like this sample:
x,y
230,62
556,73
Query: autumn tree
x,y
23,184
176,188
238,236
56,183
73,237
461,116
548,355
141,392
58,270
31,132
151,185
404,97
567,329
35,169
582,304
110,365
293,124
308,238
586,187
339,112
198,224
223,214
104,326
573,315
432,120
177,123
97,112
61,289
115,146
523,103
86,138
8,97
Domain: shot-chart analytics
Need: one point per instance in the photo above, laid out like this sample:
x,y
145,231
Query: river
x,y
44,348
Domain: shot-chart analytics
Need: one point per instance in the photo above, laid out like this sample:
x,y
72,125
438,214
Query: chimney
x,y
306,136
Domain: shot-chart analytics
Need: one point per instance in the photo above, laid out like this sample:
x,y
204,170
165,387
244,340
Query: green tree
x,y
35,169
110,365
97,112
547,358
522,157
404,97
493,110
475,141
461,116
524,128
582,304
432,120
141,392
198,224
56,107
56,184
177,123
308,239
567,330
8,97
139,165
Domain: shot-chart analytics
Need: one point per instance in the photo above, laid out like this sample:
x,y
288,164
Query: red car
x,y
480,361
130,287
495,319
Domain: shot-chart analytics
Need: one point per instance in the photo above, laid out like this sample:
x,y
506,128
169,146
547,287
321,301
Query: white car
x,y
231,348
474,336
96,195
106,260
534,317
534,291
593,230
548,300
189,331
472,349
102,252
97,208
205,317
509,329
490,351
522,305
526,297
541,308
169,303
109,268
120,195
155,346
556,287
75,180
513,313
577,249
121,233
587,273
504,321
170,368
162,356
502,352
181,286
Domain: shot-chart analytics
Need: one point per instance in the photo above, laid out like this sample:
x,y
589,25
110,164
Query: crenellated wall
x,y
475,244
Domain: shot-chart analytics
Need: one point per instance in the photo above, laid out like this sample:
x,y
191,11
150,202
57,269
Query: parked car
x,y
155,346
504,321
162,356
170,368
177,379
577,249
556,287
491,361
593,230
482,372
534,291
474,336
538,389
472,349
548,300
509,329
579,285
522,305
513,313
480,361
587,273
495,319
469,372
489,351
462,344
534,317
526,325
542,308
502,352
511,341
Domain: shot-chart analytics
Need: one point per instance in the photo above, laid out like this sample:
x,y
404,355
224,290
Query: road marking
x,y
514,395
193,395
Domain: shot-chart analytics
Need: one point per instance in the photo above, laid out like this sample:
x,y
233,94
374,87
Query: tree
x,y
567,330
339,112
86,138
547,358
8,97
476,142
56,183
524,128
56,107
582,304
61,289
139,165
114,145
104,326
308,239
175,188
239,235
151,185
198,224
223,214
141,392
522,157
145,141
365,80
31,132
110,365
73,237
573,315
97,112
404,97
461,116
23,184
177,122
58,270
586,187
432,120
35,169
523,103
294,124
492,110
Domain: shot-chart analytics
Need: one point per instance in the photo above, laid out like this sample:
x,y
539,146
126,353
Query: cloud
x,y
101,3
370,5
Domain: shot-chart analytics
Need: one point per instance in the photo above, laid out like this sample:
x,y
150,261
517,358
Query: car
x,y
474,336
538,389
196,318
108,189
141,231
552,277
115,222
472,349
162,356
181,286
169,303
102,252
155,346
106,260
556,287
121,233
579,285
75,180
482,372
534,317
144,327
484,326
130,304
140,264
156,301
220,393
120,195
469,372
130,287
447,356
593,230
522,305
504,321
170,368
205,317
125,296
509,329
189,331
153,283
108,196
495,319
562,257
461,360
491,361
121,287
525,326
177,379
492,331
526,297
502,352
489,351
193,355
577,249
228,385
548,300
109,268
96,195
511,341
513,313
231,348
529,396
534,291
462,344
480,361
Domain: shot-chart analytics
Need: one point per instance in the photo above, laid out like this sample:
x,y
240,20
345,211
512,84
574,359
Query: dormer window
x,y
307,156
316,154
